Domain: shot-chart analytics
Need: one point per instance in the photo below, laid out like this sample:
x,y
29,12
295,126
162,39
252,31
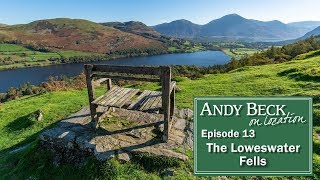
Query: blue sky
x,y
154,12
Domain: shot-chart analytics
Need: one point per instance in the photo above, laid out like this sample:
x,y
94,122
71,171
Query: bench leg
x,y
109,84
94,116
166,78
91,94
172,102
172,105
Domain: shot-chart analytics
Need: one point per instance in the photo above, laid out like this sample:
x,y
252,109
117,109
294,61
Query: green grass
x,y
308,55
186,47
11,48
256,81
84,26
172,49
71,53
18,125
240,52
17,56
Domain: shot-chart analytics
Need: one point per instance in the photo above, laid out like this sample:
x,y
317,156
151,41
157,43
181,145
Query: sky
x,y
152,12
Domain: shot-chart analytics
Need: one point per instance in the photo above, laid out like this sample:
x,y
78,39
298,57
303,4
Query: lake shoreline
x,y
48,63
37,74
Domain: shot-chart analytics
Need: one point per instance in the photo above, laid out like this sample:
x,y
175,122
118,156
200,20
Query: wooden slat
x,y
146,101
100,80
135,104
132,78
116,97
123,98
127,97
104,97
108,96
111,95
96,101
154,105
149,100
159,103
128,69
152,101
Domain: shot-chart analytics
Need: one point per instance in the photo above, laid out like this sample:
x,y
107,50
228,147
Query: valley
x,y
42,82
285,79
235,28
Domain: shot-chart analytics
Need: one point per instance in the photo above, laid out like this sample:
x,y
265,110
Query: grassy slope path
x,y
300,77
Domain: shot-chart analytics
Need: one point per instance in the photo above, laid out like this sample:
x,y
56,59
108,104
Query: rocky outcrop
x,y
74,139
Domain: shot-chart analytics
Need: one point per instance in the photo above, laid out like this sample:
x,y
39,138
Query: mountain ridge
x,y
314,32
75,34
232,26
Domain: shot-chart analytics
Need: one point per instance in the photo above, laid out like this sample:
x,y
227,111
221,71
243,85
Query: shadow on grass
x,y
22,122
304,77
296,74
315,54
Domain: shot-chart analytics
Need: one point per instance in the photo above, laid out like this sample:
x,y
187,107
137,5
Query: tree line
x,y
275,55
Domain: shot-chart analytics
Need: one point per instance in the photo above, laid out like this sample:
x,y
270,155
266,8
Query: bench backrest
x,y
162,74
152,74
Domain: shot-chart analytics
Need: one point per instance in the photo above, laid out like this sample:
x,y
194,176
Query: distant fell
x,y
133,27
180,28
308,25
75,34
315,32
231,27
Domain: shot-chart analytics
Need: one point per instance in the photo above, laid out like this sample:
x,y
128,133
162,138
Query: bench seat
x,y
134,99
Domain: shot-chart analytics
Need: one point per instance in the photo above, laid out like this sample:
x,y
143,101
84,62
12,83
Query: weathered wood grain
x,y
91,94
149,100
130,78
127,69
127,97
138,102
166,78
105,96
146,101
109,84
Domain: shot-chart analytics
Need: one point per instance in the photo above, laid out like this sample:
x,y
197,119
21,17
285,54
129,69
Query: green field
x,y
18,127
16,56
240,52
186,47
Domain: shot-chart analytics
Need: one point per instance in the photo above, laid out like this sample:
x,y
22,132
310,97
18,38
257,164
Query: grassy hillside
x,y
15,56
18,126
74,34
135,27
294,78
240,52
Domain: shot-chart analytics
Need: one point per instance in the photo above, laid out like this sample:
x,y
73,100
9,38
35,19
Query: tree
x,y
233,64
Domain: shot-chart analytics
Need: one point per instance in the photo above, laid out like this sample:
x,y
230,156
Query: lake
x,y
37,75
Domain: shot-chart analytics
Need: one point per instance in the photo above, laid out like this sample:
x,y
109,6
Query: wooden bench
x,y
133,99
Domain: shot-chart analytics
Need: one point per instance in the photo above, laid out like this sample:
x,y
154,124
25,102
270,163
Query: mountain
x,y
231,27
240,28
75,34
315,32
135,27
180,28
308,25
